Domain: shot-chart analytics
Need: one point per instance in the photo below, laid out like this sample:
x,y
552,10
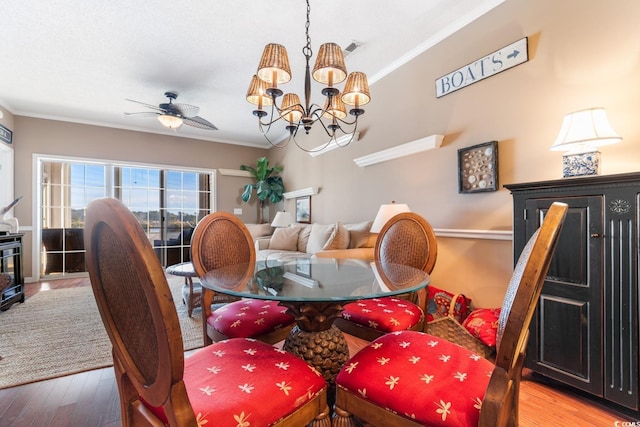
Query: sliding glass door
x,y
168,203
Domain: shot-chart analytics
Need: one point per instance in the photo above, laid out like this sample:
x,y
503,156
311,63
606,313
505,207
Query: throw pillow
x,y
439,301
319,236
339,239
285,239
482,323
358,234
303,238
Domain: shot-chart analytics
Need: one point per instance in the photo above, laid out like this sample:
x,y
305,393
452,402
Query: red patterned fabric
x,y
482,323
439,301
384,314
249,318
244,382
420,376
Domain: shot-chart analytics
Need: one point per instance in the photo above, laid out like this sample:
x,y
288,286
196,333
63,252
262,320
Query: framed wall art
x,y
303,210
478,168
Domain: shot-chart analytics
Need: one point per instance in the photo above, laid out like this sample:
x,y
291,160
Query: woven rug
x,y
59,332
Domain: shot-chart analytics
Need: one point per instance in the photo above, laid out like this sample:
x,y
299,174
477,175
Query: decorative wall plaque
x,y
478,168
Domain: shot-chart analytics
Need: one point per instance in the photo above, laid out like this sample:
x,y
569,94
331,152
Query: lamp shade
x,y
356,90
385,213
257,92
337,109
329,68
291,110
169,121
274,65
282,219
584,130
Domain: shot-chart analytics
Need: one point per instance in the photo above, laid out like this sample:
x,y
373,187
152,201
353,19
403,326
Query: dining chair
x,y
221,239
413,379
409,239
230,383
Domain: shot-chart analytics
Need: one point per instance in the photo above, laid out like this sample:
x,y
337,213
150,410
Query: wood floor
x,y
91,398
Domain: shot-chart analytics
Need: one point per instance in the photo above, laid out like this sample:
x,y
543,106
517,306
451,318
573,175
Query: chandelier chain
x,y
306,51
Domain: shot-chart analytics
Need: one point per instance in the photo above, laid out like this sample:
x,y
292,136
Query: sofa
x,y
322,240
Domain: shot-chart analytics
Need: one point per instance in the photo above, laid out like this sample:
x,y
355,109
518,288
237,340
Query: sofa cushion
x,y
259,230
319,236
358,234
339,238
285,239
303,238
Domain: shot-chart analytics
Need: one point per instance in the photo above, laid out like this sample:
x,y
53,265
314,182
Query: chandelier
x,y
329,70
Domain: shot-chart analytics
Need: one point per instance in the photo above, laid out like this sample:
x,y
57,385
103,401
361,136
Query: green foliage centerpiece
x,y
268,185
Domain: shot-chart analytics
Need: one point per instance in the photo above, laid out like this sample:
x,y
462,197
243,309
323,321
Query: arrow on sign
x,y
514,54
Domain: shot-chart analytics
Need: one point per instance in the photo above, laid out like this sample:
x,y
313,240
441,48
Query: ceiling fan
x,y
175,115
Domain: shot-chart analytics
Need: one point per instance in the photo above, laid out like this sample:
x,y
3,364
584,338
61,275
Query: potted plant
x,y
268,185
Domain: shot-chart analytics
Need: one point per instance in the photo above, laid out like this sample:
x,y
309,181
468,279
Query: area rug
x,y
59,332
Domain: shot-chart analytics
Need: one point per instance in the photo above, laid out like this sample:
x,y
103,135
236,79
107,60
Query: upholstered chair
x,y
219,240
230,383
409,239
410,378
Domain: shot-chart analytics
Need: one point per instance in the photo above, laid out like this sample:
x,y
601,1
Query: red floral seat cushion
x,y
420,376
482,323
384,314
249,318
244,382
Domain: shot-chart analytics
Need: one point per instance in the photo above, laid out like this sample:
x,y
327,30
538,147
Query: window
x,y
167,201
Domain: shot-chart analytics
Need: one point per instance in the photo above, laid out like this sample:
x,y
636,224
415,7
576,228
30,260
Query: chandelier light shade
x,y
580,135
257,93
169,121
356,90
274,65
329,69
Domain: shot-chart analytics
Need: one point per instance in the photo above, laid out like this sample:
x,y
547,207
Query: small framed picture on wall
x,y
303,210
478,168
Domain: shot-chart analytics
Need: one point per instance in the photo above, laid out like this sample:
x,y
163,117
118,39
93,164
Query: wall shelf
x,y
235,172
300,193
413,147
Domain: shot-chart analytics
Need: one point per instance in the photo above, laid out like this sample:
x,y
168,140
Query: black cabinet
x,y
585,329
11,279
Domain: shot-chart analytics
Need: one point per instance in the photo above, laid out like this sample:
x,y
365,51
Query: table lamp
x,y
282,219
385,213
580,135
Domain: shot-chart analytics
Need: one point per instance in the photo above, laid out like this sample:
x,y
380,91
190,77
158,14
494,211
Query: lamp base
x,y
581,164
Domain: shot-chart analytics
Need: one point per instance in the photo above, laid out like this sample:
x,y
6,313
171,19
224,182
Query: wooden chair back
x,y
500,405
139,314
408,239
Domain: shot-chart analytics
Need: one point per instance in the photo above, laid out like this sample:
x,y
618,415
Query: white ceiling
x,y
77,60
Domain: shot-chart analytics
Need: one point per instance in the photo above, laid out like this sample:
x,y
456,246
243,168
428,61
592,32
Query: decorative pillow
x,y
285,239
303,238
358,234
339,239
482,323
439,301
259,230
319,236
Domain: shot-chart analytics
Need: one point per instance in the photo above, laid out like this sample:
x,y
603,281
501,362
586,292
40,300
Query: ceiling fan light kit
x,y
174,115
329,70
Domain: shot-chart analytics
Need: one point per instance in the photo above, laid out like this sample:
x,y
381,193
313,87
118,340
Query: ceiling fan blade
x,y
186,110
153,107
199,122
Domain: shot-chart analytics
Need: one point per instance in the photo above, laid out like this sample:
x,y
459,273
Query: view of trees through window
x,y
167,202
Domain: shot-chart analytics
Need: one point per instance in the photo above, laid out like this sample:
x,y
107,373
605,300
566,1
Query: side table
x,y
191,293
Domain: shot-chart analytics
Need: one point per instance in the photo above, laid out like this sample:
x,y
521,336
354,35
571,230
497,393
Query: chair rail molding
x,y
474,234
402,150
235,172
300,193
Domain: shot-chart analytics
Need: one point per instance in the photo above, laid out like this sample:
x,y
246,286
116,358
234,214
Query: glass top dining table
x,y
314,291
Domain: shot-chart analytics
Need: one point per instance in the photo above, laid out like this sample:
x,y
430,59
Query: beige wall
x,y
582,53
38,136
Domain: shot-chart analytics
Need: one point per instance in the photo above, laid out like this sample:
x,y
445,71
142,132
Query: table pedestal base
x,y
325,350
